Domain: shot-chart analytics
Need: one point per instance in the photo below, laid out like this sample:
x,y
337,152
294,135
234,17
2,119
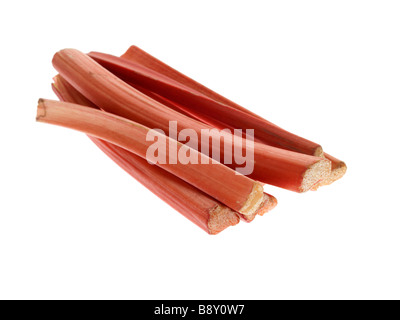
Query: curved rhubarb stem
x,y
197,206
200,208
236,191
286,169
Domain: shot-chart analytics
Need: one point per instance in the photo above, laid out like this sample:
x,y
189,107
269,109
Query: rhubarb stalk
x,y
205,108
290,170
198,207
236,191
140,57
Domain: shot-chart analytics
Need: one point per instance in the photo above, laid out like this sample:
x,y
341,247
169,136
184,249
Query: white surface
x,y
74,225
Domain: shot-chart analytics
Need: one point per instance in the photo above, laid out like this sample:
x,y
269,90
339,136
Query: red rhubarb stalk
x,y
140,57
197,206
236,191
286,169
203,107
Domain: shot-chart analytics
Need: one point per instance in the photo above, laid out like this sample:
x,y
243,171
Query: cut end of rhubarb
x,y
221,217
339,169
319,152
316,173
254,201
268,203
41,110
336,174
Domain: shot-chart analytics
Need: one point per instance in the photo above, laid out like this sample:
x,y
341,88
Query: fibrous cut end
x,y
337,173
221,217
319,152
254,201
41,110
316,173
269,202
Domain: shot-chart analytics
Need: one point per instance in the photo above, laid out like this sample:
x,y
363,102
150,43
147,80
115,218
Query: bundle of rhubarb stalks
x,y
120,101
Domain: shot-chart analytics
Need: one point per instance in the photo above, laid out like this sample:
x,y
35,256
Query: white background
x,y
74,225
